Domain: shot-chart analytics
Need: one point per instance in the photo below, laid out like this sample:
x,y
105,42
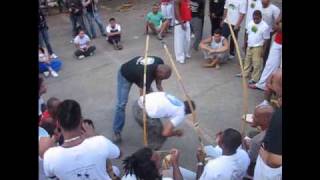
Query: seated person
x,y
47,64
114,34
49,114
261,118
82,42
146,164
232,164
156,22
163,105
215,49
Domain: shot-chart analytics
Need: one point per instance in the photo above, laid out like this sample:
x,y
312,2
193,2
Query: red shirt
x,y
45,115
185,11
278,38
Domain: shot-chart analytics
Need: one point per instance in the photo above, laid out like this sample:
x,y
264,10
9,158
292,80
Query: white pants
x,y
167,11
272,64
182,39
264,172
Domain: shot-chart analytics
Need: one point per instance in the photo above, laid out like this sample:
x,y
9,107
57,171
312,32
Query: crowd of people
x,y
71,149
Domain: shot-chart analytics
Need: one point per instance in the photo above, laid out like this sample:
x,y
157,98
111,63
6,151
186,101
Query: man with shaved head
x,y
133,72
261,118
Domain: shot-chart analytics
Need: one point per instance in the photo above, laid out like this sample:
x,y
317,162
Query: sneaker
x,y
239,75
116,138
188,56
192,36
46,73
71,41
181,61
231,56
251,81
53,56
91,54
54,74
217,66
81,57
159,36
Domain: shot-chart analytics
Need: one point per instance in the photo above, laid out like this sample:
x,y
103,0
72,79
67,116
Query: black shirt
x,y
91,7
273,139
197,8
133,71
42,23
216,7
74,4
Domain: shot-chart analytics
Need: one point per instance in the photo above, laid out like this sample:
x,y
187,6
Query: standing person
x,y
93,15
182,32
133,72
216,8
84,153
251,7
82,43
156,22
75,9
197,9
47,64
167,11
114,34
274,59
271,15
234,12
255,46
44,35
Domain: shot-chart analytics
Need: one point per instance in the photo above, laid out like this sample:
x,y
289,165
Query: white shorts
x,y
264,172
167,11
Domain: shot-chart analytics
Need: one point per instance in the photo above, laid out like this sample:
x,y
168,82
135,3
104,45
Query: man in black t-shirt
x,y
75,9
197,9
93,15
132,72
216,8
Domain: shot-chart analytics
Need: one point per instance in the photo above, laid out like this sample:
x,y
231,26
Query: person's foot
x,y
53,56
120,47
46,73
251,81
192,35
115,47
188,56
104,34
91,54
71,41
116,138
231,56
81,57
239,75
181,61
208,65
159,36
217,66
93,37
54,74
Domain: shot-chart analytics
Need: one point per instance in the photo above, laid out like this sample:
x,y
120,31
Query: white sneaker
x,y
71,41
54,74
81,57
188,56
53,56
46,73
231,56
181,61
192,36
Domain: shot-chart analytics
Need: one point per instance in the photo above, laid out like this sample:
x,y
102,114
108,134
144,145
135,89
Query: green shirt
x,y
156,19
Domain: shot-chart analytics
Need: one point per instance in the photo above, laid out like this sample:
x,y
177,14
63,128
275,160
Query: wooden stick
x,y
163,151
145,139
244,84
185,93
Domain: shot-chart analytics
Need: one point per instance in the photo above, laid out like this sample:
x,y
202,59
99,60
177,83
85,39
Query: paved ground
x,y
92,82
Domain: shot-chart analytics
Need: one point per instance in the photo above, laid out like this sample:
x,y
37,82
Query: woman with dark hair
x,y
47,64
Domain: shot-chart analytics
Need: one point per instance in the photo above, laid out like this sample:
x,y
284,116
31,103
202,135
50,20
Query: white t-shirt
x,y
257,33
82,41
227,167
84,161
117,28
235,7
163,105
270,14
264,172
252,6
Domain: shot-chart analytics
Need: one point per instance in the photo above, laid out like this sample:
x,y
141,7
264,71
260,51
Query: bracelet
x,y
200,164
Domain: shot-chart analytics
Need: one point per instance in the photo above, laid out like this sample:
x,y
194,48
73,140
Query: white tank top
x,y
216,45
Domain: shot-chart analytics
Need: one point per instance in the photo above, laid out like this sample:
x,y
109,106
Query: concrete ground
x,y
92,81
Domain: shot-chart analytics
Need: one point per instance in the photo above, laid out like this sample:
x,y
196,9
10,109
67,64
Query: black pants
x,y
115,38
226,33
215,23
85,53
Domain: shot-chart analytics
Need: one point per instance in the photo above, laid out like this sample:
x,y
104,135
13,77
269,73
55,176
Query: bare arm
x,y
204,44
200,166
241,17
114,33
177,175
225,12
159,86
168,130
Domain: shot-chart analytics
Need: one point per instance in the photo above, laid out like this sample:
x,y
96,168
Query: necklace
x,y
72,139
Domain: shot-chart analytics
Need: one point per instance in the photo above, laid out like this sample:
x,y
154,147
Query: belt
x,y
254,47
270,159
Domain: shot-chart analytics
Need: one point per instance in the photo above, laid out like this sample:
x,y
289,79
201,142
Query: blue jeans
x,y
55,64
44,37
78,19
123,89
94,17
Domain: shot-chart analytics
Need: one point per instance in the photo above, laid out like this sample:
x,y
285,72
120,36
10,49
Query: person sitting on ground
x,y
49,114
156,22
80,140
146,164
47,64
273,88
132,72
261,118
232,164
82,43
164,105
114,34
216,52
